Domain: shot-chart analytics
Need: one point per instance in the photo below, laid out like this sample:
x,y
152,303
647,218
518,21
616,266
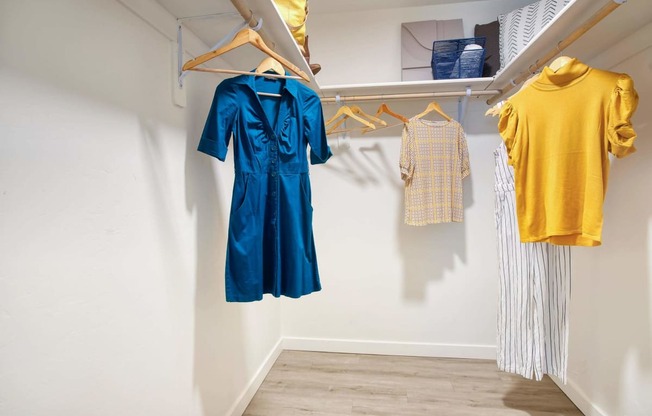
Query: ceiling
x,y
336,6
181,8
212,29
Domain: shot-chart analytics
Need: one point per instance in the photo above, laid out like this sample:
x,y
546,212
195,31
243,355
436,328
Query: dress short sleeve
x,y
620,132
463,150
314,130
406,160
219,123
507,127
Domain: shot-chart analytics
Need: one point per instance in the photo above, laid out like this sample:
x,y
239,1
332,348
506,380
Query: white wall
x,y
112,231
365,47
610,361
397,289
112,226
433,288
386,286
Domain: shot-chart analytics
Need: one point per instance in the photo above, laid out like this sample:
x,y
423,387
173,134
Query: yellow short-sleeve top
x,y
558,132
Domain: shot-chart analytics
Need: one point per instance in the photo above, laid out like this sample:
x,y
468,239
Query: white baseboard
x,y
391,348
242,402
577,396
571,389
359,347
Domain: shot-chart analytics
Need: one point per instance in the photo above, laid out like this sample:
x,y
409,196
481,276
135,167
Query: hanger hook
x,y
251,17
259,25
558,48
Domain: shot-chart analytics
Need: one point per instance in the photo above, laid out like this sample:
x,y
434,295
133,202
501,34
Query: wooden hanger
x,y
270,64
374,119
333,129
559,62
347,112
245,36
358,111
384,109
554,66
434,106
495,110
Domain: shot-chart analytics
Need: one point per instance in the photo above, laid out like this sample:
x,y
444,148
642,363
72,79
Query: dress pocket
x,y
240,193
306,192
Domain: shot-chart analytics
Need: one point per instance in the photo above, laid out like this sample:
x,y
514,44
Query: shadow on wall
x,y
536,397
219,340
381,164
349,167
612,318
429,251
159,177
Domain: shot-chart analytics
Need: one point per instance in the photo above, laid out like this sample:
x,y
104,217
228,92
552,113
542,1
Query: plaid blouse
x,y
434,160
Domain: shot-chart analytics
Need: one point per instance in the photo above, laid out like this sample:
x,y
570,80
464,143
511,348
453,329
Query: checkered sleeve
x,y
407,154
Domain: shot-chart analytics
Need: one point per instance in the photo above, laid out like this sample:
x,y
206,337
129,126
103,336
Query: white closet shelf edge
x,y
409,87
561,26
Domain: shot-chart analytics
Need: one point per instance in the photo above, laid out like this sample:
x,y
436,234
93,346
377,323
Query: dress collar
x,y
571,73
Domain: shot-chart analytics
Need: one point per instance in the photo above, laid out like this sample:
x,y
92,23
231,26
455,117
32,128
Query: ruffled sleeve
x,y
507,127
620,132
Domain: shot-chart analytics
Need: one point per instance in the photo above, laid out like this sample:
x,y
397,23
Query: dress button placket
x,y
274,172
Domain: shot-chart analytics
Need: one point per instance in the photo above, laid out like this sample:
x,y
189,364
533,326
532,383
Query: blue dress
x,y
270,245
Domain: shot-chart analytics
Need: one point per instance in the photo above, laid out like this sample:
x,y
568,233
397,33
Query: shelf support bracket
x,y
462,105
178,92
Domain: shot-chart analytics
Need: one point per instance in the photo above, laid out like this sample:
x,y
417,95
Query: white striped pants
x,y
534,296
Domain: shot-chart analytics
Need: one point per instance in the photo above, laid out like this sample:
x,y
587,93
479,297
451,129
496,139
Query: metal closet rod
x,y
561,45
407,96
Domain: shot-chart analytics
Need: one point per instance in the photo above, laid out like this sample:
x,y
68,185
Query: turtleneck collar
x,y
573,72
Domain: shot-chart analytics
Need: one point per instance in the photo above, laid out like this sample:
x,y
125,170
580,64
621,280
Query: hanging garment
x,y
558,133
434,160
270,242
534,292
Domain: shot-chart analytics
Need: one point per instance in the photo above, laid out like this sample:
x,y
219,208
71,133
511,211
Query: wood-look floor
x,y
326,384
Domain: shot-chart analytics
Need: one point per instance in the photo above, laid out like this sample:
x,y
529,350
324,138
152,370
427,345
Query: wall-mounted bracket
x,y
462,105
178,91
